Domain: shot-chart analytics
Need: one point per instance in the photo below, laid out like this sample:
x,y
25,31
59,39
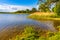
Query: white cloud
x,y
12,8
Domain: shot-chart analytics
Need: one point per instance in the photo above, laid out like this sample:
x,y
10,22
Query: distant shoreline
x,y
12,13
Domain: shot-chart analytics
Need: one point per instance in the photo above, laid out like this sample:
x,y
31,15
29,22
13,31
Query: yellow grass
x,y
43,13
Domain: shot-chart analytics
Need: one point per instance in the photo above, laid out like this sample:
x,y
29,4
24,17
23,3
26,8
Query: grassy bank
x,y
12,13
30,33
44,16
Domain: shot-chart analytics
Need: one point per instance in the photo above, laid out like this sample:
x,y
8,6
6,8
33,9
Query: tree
x,y
57,8
27,11
46,4
43,8
53,9
33,10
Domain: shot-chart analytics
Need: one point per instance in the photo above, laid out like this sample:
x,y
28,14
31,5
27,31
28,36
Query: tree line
x,y
47,6
27,11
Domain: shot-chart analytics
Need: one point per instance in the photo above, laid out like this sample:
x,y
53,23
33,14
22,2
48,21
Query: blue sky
x,y
22,4
19,2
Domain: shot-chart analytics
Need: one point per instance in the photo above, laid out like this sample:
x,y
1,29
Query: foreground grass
x,y
44,16
30,33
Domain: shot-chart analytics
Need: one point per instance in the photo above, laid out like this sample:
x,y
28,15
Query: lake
x,y
12,24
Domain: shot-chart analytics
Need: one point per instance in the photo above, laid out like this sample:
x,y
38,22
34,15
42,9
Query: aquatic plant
x,y
30,34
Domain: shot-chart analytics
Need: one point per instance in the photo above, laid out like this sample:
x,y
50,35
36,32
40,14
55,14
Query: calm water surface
x,y
10,22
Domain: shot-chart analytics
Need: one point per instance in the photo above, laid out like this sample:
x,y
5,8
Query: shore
x,y
44,16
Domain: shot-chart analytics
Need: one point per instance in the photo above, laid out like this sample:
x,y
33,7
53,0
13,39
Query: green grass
x,y
44,17
30,33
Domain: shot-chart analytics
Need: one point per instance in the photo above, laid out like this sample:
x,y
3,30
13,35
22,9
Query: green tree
x,y
45,5
53,9
57,8
33,10
44,8
27,11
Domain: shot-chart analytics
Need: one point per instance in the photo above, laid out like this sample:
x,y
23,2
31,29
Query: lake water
x,y
12,23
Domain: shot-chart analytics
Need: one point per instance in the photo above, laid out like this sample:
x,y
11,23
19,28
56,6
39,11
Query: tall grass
x,y
44,16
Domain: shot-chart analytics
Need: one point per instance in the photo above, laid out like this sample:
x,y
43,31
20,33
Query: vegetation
x,y
57,8
27,11
44,16
46,7
46,12
30,33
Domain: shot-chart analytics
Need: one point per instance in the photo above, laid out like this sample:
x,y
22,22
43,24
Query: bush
x,y
30,34
55,37
57,8
17,38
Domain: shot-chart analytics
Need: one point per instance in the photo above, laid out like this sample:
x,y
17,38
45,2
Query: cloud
x,y
12,8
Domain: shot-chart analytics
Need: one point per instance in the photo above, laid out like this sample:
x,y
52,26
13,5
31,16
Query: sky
x,y
14,5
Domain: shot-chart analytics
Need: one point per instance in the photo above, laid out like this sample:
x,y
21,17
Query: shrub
x,y
30,34
17,38
57,8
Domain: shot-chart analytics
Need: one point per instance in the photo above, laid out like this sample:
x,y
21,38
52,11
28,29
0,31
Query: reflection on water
x,y
9,20
13,23
49,25
56,23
